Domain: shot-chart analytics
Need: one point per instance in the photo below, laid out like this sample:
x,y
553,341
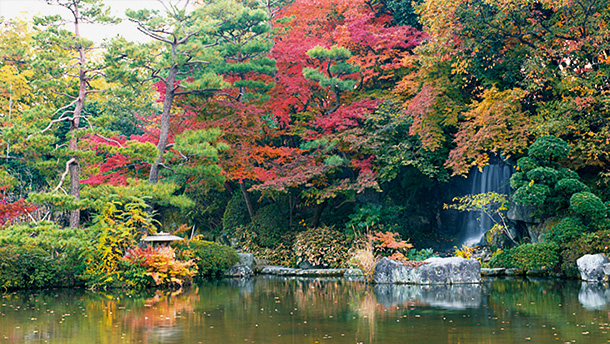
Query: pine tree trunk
x,y
153,177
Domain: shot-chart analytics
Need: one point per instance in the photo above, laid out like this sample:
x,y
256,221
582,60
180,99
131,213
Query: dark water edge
x,y
307,310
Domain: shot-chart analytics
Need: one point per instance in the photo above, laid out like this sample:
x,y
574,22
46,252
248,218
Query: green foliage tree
x,y
179,45
68,84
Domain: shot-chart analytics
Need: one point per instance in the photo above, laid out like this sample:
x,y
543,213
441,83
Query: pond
x,y
300,310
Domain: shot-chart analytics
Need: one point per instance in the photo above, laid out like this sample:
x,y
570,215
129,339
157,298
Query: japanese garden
x,y
307,171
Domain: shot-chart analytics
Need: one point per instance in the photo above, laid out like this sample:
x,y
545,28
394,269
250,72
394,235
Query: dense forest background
x,y
252,121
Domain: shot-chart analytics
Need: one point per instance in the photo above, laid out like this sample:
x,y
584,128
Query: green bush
x,y
271,224
518,180
323,246
590,243
566,231
280,254
532,194
588,205
544,175
420,255
566,173
41,255
526,164
528,256
26,267
549,148
569,186
212,259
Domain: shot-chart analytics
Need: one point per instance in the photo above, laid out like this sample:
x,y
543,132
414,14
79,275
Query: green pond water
x,y
299,310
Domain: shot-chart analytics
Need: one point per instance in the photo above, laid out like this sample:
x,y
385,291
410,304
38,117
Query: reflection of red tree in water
x,y
159,315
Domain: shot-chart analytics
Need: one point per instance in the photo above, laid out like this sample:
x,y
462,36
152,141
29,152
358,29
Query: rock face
x,y
246,259
455,270
591,267
239,271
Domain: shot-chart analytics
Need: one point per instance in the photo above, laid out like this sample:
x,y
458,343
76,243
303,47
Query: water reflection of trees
x,y
548,307
300,310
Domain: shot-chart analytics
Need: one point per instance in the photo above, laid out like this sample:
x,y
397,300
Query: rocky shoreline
x,y
434,271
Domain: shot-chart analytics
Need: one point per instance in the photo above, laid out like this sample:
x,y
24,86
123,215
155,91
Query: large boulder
x,y
455,270
246,259
239,271
591,267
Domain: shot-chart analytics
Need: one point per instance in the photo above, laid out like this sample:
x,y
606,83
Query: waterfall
x,y
493,178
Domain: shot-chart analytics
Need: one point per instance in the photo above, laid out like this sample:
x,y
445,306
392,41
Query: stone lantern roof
x,y
160,238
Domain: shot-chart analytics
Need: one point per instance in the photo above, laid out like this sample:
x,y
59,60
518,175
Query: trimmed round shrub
x,y
570,186
528,257
544,175
534,194
526,164
588,205
518,180
566,231
566,173
212,259
323,246
549,148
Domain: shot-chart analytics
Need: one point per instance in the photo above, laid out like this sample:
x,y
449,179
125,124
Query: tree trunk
x,y
153,178
74,167
317,214
244,192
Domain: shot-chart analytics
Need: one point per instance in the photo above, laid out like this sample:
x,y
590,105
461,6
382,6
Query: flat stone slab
x,y
514,272
454,270
493,272
537,272
283,271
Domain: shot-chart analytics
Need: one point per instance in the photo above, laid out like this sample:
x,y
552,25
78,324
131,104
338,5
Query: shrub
x,y
25,267
420,255
364,258
518,180
588,205
533,194
212,259
270,224
236,213
389,244
161,265
567,230
544,175
549,148
41,255
280,254
590,243
323,246
566,173
526,164
570,186
528,256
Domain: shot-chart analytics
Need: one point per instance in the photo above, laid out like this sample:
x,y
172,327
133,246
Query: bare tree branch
x,y
63,176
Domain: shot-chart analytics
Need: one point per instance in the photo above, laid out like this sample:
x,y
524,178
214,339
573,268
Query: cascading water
x,y
493,178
